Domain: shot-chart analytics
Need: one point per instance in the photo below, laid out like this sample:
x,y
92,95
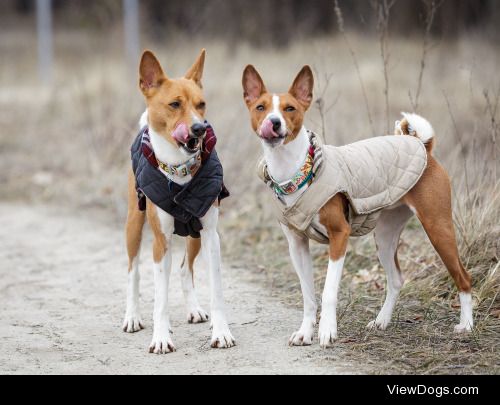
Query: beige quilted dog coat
x,y
373,174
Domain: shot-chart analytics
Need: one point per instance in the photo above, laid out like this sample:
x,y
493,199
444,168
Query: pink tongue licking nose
x,y
267,131
181,133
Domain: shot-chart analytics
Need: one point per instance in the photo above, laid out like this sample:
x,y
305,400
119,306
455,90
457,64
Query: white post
x,y
45,40
132,34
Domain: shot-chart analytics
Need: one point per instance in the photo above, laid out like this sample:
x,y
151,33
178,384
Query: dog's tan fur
x,y
135,222
430,198
299,97
159,91
175,110
332,217
193,248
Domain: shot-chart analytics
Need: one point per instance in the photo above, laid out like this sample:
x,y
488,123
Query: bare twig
x,y
431,8
340,21
461,143
492,109
383,10
321,103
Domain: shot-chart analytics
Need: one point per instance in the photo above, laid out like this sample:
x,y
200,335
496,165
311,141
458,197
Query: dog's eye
x,y
290,109
261,108
202,106
175,105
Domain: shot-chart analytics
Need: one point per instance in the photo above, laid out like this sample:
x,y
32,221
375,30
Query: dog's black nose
x,y
276,124
198,130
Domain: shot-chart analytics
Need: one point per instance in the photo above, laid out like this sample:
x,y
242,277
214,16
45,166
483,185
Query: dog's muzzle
x,y
270,131
190,139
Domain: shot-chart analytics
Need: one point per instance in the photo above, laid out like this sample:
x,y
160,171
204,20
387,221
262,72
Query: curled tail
x,y
417,126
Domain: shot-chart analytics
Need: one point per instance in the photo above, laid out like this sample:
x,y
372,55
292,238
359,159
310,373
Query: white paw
x,y
132,323
463,328
380,324
162,345
197,315
327,333
304,337
222,339
221,335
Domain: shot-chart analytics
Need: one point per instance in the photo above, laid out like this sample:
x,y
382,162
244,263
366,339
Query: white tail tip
x,y
420,126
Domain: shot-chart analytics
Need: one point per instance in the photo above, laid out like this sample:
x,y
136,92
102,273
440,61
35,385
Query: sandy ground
x,y
62,299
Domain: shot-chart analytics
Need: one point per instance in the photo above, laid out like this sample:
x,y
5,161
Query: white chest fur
x,y
167,152
285,161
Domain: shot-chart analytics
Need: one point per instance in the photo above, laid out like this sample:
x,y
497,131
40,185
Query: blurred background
x,y
68,77
70,105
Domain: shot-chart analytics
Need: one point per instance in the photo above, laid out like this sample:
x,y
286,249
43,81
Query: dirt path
x,y
62,299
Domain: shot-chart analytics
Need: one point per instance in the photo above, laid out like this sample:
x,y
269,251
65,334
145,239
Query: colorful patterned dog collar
x,y
303,177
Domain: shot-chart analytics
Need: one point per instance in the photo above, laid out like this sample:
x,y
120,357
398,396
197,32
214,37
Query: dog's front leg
x,y
302,262
221,335
163,227
328,322
333,218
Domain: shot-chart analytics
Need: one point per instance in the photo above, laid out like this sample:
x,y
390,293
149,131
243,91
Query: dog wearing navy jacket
x,y
176,184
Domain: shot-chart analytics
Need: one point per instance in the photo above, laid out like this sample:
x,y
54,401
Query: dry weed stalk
x,y
321,103
431,8
492,106
463,150
340,21
383,10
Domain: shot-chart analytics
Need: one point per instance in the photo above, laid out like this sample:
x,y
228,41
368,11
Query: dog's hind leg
x,y
195,314
387,235
135,225
431,199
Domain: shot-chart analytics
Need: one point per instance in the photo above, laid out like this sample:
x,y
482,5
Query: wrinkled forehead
x,y
181,88
277,100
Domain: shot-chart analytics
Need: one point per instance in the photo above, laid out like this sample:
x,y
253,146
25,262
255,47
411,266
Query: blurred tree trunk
x,y
24,6
270,22
494,11
45,39
132,33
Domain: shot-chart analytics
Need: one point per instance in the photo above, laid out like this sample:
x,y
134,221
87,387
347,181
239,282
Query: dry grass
x,y
421,338
69,145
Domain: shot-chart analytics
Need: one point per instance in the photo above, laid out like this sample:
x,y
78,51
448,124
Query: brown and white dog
x,y
171,104
278,120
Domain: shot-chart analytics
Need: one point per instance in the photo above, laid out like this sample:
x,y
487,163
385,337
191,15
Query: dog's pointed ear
x,y
151,74
253,85
303,87
195,73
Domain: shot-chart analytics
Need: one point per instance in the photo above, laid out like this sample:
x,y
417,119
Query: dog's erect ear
x,y
303,87
195,73
253,85
151,74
